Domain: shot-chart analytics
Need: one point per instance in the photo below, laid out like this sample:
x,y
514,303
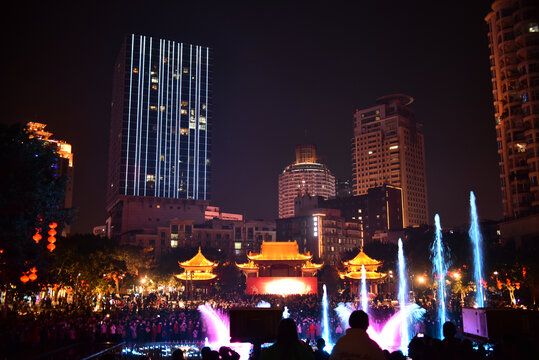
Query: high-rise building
x,y
388,149
305,176
514,64
64,167
160,138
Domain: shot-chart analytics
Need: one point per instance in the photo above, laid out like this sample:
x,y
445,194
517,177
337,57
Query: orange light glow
x,y
52,232
51,247
287,287
25,279
32,277
37,237
51,239
53,225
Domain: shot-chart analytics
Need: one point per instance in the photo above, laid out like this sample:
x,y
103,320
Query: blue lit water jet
x,y
364,294
325,320
263,304
439,269
404,338
477,240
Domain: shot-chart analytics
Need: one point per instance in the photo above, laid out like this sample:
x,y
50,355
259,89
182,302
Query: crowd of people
x,y
169,318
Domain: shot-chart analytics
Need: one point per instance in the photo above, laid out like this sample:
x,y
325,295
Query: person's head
x,y
449,329
359,320
320,344
205,352
287,332
177,354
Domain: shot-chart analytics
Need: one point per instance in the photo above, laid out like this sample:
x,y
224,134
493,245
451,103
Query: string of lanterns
x,y
31,274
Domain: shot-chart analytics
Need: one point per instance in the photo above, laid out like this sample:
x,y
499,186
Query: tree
x,y
31,197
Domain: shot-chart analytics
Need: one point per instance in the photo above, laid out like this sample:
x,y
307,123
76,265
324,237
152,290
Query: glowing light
x,y
287,287
387,334
364,295
263,304
286,314
477,240
325,320
439,268
404,336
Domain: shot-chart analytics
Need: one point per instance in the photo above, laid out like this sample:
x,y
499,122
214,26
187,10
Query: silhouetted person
x,y
177,354
227,353
320,353
451,345
205,353
287,346
356,344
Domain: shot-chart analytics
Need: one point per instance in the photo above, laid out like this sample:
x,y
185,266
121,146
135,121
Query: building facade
x,y
388,149
305,176
325,233
160,136
514,64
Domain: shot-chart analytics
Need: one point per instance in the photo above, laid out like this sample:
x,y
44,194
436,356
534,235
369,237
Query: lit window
x,y
135,71
150,177
162,159
155,80
192,112
203,106
186,70
183,111
153,107
237,245
154,86
162,107
173,243
184,103
533,28
202,119
158,206
165,60
184,131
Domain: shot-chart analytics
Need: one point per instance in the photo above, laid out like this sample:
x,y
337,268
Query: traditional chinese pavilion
x,y
279,268
352,273
198,273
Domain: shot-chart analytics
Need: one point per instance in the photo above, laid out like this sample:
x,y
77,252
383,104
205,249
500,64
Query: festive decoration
x,y
51,247
51,239
37,236
24,278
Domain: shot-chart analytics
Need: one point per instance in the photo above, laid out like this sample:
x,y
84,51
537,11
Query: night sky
x,y
284,73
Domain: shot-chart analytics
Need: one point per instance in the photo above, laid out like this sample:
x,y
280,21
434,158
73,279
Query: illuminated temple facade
x,y
353,272
279,268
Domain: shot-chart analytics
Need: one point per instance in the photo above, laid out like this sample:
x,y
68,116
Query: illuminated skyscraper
x,y
305,176
514,64
388,149
160,138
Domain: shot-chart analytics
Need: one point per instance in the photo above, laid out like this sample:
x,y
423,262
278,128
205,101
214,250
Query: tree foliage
x,y
31,197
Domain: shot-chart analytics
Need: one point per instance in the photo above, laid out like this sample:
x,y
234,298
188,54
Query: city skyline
x,y
333,60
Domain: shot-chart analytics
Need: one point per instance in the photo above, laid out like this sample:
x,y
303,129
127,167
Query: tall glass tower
x,y
160,139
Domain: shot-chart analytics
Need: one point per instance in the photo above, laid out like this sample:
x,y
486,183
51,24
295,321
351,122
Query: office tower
x,y
160,139
388,149
64,167
514,64
305,176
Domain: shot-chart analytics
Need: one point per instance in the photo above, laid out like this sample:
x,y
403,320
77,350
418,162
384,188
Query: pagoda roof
x,y
309,266
279,250
369,275
247,266
362,259
195,275
198,261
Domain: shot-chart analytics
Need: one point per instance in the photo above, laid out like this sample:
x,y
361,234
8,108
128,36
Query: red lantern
x,y
32,276
517,285
24,278
52,232
37,237
499,283
53,225
51,239
51,247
